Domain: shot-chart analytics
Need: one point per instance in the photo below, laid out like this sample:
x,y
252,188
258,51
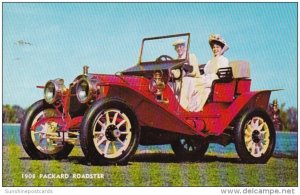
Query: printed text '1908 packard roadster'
x,y
110,115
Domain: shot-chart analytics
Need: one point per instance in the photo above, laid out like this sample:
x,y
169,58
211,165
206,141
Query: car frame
x,y
110,115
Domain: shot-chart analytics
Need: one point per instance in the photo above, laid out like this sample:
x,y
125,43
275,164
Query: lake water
x,y
286,143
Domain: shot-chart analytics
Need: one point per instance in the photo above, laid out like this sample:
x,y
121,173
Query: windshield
x,y
155,47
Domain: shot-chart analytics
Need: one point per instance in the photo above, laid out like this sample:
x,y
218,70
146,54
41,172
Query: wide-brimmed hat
x,y
217,38
178,42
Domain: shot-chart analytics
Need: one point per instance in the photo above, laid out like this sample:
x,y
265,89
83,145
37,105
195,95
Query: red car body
x,y
145,89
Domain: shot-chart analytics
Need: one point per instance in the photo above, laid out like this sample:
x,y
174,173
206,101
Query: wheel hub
x,y
256,136
112,133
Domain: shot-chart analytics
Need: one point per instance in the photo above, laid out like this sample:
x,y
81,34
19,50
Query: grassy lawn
x,y
149,169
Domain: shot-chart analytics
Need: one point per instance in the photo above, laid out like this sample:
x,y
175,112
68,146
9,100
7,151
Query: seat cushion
x,y
240,69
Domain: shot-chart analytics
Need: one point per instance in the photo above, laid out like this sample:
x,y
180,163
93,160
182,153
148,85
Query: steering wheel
x,y
175,72
164,58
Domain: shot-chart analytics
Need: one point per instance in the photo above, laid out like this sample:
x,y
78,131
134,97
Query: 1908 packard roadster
x,y
110,115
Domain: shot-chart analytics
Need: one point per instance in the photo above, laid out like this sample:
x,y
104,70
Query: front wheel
x,y
190,148
39,140
109,132
255,137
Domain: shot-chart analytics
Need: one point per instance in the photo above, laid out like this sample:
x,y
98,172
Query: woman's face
x,y
216,50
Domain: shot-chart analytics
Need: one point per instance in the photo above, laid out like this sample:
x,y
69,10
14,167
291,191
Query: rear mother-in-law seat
x,y
241,72
232,82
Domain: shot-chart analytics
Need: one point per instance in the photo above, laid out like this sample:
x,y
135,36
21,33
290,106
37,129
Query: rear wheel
x,y
109,132
255,137
39,143
190,148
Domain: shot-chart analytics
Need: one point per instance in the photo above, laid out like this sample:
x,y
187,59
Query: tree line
x,y
12,114
288,118
287,121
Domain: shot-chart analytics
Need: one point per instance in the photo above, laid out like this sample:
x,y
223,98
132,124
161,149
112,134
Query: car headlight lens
x,y
50,92
84,91
53,89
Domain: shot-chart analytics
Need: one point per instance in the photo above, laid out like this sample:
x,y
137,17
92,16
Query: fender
x,y
149,113
134,90
255,99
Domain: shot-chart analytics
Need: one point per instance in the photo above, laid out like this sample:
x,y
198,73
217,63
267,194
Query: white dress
x,y
210,74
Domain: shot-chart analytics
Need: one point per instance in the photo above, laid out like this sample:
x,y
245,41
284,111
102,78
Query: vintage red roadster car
x,y
110,115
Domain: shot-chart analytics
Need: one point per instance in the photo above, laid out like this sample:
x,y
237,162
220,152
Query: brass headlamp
x,y
53,90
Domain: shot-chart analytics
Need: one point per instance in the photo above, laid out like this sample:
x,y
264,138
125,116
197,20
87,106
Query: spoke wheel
x,y
109,132
40,142
255,137
43,132
112,133
190,148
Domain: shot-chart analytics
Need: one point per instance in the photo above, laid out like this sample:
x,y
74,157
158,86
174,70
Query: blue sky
x,y
43,41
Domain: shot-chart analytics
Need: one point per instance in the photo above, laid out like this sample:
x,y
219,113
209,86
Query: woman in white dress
x,y
218,46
